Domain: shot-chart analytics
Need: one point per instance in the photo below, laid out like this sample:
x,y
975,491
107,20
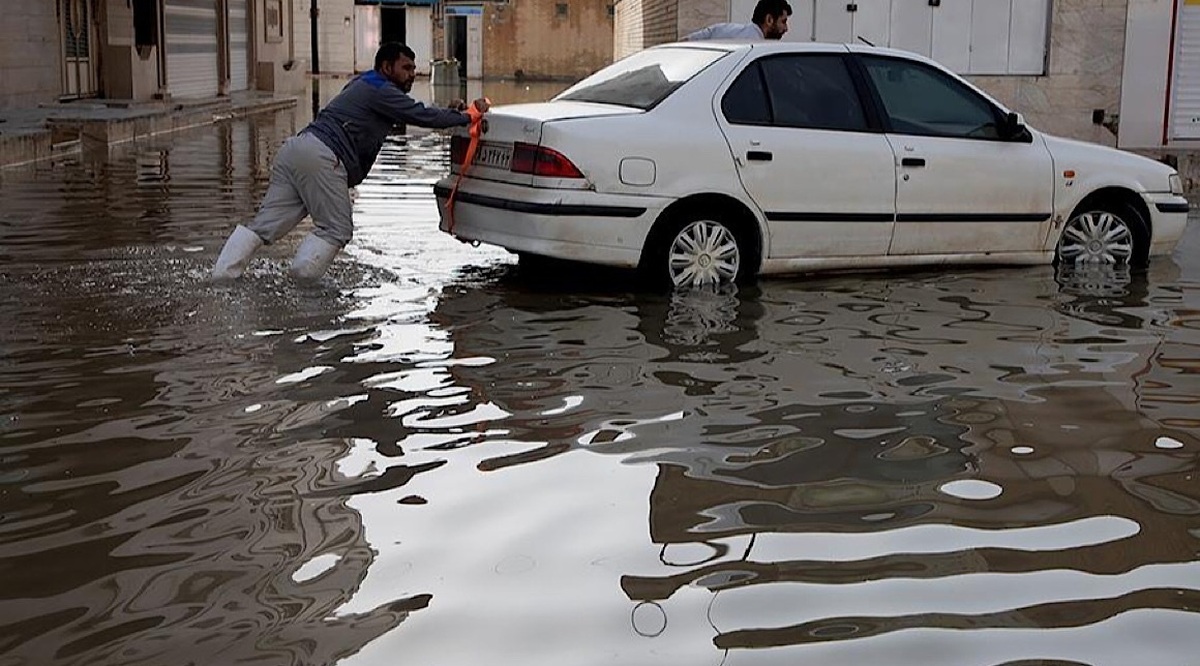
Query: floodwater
x,y
433,458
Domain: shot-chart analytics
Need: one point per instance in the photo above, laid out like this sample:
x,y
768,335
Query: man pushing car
x,y
314,170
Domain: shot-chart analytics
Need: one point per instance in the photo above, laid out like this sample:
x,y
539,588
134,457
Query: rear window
x,y
644,79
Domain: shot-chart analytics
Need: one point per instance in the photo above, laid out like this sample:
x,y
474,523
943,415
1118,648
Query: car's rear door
x,y
806,154
961,187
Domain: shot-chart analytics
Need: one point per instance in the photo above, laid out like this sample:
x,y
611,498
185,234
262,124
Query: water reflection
x,y
1022,403
440,454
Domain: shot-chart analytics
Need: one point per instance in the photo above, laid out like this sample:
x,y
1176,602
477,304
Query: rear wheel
x,y
1107,232
698,252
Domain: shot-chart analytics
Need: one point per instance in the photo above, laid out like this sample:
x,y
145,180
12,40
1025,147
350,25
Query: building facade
x,y
553,40
1123,73
140,50
541,39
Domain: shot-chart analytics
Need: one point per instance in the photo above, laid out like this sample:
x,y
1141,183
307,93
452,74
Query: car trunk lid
x,y
510,126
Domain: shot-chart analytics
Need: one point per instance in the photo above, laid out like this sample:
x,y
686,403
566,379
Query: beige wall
x,y
30,57
703,13
643,23
281,66
126,73
530,37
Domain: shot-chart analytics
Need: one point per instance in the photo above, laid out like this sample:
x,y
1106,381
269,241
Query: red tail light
x,y
458,149
540,161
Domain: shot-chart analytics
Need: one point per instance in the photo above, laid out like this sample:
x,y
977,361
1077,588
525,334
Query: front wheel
x,y
699,253
1109,233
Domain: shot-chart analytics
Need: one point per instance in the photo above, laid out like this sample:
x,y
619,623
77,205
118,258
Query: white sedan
x,y
712,162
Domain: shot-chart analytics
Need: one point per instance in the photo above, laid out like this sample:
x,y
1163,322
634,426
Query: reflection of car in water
x,y
788,418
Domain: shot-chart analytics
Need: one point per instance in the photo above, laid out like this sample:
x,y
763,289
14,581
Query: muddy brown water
x,y
435,458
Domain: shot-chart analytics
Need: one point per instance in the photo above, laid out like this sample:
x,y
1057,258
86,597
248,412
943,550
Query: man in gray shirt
x,y
770,21
314,171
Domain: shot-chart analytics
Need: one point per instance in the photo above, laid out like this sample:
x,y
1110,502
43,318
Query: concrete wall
x,y
30,55
280,66
127,74
335,34
532,38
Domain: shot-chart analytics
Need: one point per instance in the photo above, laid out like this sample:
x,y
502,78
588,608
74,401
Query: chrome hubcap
x,y
1096,238
703,253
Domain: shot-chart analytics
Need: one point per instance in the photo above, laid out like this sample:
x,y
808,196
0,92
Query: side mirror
x,y
1013,127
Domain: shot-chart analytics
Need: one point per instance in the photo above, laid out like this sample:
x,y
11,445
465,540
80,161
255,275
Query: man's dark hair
x,y
766,8
390,51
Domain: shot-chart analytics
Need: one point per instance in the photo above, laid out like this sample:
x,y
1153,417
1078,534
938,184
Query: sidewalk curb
x,y
65,132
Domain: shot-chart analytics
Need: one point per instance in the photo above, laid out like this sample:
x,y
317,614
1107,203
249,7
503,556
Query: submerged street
x,y
433,457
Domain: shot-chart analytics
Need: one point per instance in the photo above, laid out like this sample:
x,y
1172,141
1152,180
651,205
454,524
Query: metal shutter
x,y
239,44
191,46
1185,91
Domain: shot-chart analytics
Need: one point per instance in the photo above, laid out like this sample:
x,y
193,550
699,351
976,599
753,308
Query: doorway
x,y
393,26
456,38
78,37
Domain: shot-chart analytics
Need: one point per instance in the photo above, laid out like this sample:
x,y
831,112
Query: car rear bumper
x,y
579,225
1168,218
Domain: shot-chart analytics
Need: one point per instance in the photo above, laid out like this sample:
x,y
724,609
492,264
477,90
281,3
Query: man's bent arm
x,y
404,109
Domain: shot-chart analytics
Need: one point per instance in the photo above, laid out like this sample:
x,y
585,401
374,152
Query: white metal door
x,y
912,26
420,36
1185,89
191,47
952,35
475,46
368,33
864,21
239,45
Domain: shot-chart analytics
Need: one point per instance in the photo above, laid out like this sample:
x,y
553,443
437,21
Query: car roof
x,y
780,46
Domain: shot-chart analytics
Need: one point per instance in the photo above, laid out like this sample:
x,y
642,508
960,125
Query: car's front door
x,y
964,184
806,155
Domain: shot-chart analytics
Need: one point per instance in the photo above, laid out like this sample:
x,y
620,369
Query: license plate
x,y
493,155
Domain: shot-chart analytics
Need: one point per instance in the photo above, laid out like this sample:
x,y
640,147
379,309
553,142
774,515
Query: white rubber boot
x,y
313,258
236,254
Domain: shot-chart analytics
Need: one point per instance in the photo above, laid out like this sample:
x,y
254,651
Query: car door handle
x,y
759,156
913,162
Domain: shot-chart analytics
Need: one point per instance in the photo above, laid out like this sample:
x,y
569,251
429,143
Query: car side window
x,y
807,91
745,103
813,91
920,99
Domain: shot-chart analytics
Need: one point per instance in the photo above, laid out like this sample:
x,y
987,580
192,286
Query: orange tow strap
x,y
476,129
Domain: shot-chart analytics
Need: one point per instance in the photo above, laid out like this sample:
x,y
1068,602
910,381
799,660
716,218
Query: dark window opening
x,y
393,25
145,23
561,9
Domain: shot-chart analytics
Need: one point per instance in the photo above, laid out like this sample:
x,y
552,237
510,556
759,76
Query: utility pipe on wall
x,y
313,14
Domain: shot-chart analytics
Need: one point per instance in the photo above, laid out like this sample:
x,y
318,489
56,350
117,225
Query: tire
x,y
1104,232
697,251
